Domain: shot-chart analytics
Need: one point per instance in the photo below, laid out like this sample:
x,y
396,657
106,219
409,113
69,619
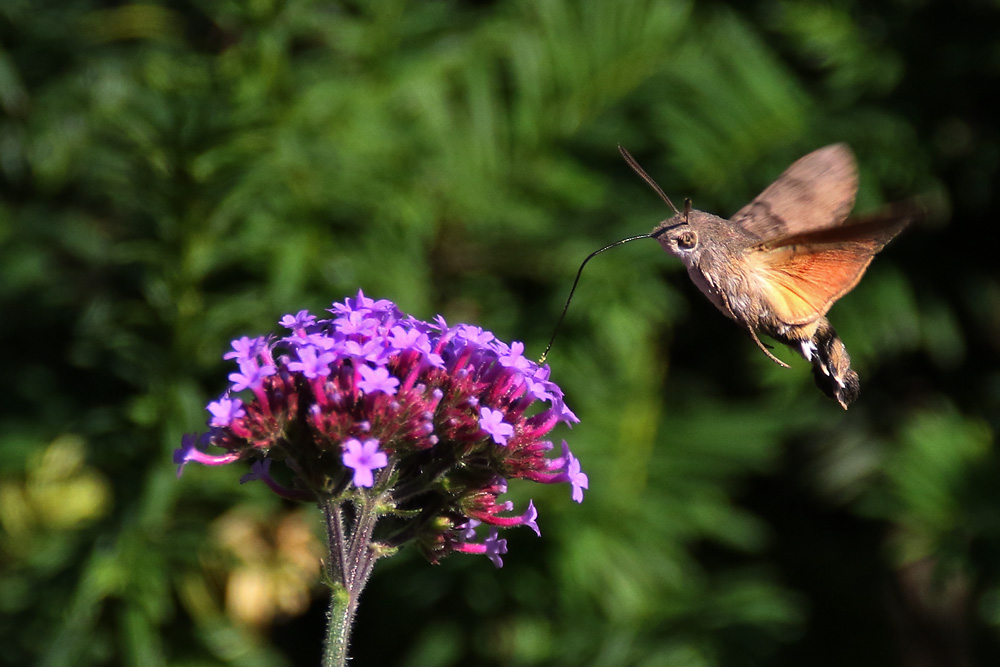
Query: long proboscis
x,y
545,354
663,195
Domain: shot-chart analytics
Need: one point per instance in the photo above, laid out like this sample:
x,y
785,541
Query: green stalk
x,y
348,567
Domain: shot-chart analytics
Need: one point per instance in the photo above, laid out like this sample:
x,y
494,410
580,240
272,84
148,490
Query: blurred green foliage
x,y
177,174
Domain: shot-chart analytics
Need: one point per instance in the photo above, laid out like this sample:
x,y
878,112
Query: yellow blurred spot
x,y
59,492
135,21
277,565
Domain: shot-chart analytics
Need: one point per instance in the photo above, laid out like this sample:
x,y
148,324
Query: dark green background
x,y
177,174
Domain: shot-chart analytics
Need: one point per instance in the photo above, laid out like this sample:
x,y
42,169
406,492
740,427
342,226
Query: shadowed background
x,y
178,174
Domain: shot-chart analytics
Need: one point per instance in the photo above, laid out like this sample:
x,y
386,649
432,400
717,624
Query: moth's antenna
x,y
646,177
541,359
687,209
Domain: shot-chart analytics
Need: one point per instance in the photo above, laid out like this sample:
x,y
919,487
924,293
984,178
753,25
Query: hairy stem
x,y
348,565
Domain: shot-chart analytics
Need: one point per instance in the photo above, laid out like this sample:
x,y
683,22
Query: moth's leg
x,y
753,334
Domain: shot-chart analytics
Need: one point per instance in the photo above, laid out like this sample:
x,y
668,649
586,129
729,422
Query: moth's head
x,y
684,234
679,238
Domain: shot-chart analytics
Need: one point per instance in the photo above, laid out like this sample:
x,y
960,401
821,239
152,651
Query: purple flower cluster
x,y
429,419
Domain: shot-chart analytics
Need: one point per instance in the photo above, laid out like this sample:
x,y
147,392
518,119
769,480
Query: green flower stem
x,y
349,564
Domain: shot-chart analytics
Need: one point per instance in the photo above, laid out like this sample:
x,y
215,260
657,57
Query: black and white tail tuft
x,y
831,365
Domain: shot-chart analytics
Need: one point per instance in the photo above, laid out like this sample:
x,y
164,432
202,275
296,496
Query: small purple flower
x,y
251,375
576,477
475,335
439,323
310,364
372,350
492,547
495,547
225,410
375,380
492,422
362,303
530,518
301,320
467,531
245,349
259,470
401,338
514,357
188,451
363,458
567,415
356,323
538,389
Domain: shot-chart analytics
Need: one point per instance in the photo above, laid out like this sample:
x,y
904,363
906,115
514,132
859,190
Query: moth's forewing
x,y
816,192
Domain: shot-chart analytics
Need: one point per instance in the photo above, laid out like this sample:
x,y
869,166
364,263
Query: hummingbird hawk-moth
x,y
779,264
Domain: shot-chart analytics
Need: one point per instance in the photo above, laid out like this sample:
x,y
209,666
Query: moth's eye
x,y
687,240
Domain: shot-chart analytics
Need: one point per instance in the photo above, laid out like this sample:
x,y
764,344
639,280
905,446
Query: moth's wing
x,y
802,275
816,192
